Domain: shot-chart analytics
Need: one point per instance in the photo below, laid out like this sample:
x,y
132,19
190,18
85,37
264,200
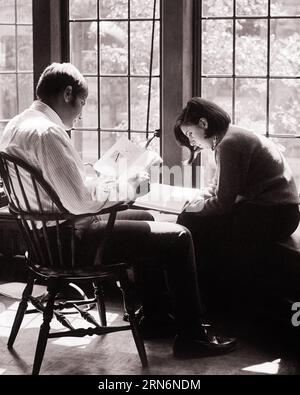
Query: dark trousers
x,y
227,246
158,244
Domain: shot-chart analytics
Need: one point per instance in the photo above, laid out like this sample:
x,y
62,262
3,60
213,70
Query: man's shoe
x,y
194,348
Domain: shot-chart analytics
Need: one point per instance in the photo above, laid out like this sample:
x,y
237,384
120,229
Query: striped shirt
x,y
38,136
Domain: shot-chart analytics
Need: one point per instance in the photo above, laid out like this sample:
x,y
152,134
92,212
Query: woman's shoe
x,y
184,347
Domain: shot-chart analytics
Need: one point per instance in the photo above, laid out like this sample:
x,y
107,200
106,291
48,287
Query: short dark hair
x,y
56,77
196,108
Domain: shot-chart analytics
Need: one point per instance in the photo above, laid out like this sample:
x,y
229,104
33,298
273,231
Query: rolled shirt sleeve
x,y
62,168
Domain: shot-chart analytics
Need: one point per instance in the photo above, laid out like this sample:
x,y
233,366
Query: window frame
x,y
197,66
16,72
198,75
50,21
66,21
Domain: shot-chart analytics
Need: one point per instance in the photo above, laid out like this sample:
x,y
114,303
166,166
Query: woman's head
x,y
199,124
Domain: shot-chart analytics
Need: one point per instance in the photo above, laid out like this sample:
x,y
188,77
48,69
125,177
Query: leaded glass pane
x,y
218,90
24,11
139,103
217,8
250,103
83,9
114,47
284,106
251,8
114,103
251,47
285,7
285,47
25,46
7,14
25,89
83,42
8,96
217,47
90,110
8,48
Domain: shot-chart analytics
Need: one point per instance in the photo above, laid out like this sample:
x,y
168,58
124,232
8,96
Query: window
x,y
249,63
16,59
116,45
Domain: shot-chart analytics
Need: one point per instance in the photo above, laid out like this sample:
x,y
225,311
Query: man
x,y
38,136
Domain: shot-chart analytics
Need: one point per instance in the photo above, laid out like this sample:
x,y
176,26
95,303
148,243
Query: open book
x,y
167,198
124,156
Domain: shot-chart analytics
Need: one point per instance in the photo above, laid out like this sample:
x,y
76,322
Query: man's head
x,y
64,89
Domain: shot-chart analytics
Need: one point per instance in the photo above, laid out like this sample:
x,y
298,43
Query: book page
x,y
124,156
167,198
122,151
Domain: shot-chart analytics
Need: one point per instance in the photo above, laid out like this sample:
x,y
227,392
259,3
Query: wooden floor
x,y
264,347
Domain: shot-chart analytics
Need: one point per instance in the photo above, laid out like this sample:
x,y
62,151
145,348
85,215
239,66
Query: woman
x,y
253,199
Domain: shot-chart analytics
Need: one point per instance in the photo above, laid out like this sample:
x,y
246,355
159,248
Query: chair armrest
x,y
120,206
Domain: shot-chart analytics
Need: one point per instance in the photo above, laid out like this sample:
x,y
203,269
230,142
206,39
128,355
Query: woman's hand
x,y
208,192
195,205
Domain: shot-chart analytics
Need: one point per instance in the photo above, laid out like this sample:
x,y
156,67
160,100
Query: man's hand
x,y
140,183
136,184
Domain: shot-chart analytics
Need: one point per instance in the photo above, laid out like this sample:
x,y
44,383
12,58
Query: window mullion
x,y
17,57
268,69
129,72
98,80
233,60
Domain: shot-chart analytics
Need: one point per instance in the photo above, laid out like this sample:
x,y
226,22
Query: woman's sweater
x,y
251,168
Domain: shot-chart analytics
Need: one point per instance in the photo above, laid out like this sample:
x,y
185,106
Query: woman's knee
x,y
183,236
185,219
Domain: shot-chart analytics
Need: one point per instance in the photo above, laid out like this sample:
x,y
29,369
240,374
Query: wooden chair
x,y
51,256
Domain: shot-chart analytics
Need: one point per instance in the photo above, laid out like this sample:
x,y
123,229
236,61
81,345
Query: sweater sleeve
x,y
228,177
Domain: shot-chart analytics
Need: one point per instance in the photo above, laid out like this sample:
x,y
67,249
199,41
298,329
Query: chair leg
x,y
138,339
44,330
129,307
21,311
99,295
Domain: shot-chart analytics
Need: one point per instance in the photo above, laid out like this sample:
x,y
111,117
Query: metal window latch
x,y
157,133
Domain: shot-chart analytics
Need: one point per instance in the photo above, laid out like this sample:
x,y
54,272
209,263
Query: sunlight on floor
x,y
81,341
267,367
34,320
2,371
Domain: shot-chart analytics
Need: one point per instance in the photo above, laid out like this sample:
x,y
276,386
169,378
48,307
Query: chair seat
x,y
79,273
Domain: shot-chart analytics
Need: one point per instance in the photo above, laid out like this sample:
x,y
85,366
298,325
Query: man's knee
x,y
135,215
145,216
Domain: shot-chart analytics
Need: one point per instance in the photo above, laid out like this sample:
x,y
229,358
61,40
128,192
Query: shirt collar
x,y
48,112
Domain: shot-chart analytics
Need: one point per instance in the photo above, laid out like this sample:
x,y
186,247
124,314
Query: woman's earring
x,y
214,143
